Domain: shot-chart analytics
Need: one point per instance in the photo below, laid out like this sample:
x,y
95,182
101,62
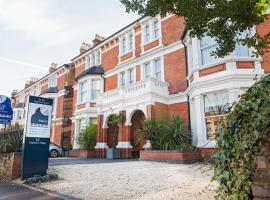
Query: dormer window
x,y
93,60
98,58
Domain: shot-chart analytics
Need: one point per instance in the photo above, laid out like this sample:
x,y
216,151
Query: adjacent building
x,y
149,68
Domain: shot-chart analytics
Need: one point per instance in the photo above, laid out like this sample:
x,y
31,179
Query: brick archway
x,y
137,121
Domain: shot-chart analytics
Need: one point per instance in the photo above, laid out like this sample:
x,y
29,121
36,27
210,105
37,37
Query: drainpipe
x,y
186,64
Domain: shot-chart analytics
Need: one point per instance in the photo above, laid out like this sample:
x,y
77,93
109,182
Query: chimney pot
x,y
98,38
84,47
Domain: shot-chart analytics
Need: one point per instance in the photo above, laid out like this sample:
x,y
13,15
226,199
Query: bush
x,y
238,141
88,137
165,134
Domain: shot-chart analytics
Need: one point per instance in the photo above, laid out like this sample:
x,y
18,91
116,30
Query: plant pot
x,y
113,153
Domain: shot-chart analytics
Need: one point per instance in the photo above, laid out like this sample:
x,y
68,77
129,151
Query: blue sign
x,y
37,137
6,112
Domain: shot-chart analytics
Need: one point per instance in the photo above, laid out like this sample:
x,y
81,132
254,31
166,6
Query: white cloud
x,y
30,65
34,20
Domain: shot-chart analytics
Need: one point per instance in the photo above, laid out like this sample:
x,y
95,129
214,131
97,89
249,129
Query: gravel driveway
x,y
100,179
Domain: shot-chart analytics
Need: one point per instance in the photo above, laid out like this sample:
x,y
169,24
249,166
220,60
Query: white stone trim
x,y
124,145
101,145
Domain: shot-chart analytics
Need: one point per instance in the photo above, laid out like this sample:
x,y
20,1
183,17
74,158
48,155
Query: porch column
x,y
199,121
234,94
123,139
101,145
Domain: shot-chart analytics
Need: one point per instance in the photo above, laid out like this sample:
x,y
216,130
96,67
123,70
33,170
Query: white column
x,y
195,53
199,121
75,143
233,95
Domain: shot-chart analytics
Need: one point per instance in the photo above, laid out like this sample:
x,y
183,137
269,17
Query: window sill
x,y
149,42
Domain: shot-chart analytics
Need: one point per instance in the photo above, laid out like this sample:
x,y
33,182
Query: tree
x,y
224,20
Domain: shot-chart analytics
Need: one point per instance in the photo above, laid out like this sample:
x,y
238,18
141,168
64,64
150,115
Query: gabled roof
x,y
91,70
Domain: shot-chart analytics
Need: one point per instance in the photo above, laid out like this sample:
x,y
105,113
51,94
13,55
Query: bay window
x,y
208,45
95,85
93,60
157,69
52,81
215,107
82,91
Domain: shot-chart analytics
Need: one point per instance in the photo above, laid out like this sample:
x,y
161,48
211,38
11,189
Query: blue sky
x,y
35,33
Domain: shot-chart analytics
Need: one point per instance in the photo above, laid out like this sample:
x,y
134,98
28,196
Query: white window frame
x,y
149,74
131,75
131,41
156,29
160,70
95,93
82,94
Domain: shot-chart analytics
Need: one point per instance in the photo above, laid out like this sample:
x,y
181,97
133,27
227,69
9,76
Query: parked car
x,y
55,150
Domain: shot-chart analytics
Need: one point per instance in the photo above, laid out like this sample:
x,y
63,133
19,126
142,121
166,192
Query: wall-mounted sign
x,y
36,137
6,112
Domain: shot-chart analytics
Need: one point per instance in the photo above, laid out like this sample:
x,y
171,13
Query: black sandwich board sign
x,y
36,137
6,112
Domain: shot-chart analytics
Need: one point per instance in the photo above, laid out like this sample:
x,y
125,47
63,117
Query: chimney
x,y
53,67
97,39
84,47
26,85
14,92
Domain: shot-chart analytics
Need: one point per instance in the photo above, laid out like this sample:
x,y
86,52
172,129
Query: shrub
x,y
165,134
88,137
238,141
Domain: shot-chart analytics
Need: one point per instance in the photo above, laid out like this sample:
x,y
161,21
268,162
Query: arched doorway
x,y
137,121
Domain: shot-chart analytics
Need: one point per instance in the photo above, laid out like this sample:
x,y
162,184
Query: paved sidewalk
x,y
11,191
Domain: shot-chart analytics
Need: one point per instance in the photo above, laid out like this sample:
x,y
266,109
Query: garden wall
x,y
10,166
185,157
83,154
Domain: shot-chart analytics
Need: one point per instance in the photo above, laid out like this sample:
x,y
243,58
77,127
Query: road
x,y
11,191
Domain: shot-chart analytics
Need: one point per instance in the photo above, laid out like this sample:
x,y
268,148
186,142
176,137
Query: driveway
x,y
103,179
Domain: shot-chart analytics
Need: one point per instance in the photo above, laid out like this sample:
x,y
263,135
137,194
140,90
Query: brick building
x,y
57,85
150,67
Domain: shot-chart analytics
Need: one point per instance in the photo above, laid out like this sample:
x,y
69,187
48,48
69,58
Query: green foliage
x,y
69,147
222,20
165,134
4,142
88,137
115,119
238,141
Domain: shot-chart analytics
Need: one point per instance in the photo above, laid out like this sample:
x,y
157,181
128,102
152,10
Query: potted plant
x,y
114,153
88,139
68,148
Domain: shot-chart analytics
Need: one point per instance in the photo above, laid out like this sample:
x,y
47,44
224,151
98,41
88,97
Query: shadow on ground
x,y
74,161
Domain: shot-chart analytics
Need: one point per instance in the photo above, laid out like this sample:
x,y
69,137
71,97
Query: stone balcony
x,y
149,89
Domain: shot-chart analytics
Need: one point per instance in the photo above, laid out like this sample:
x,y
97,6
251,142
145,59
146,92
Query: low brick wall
x,y
261,179
10,166
171,156
207,153
82,154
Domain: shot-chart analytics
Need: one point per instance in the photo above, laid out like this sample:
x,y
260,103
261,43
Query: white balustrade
x,y
148,86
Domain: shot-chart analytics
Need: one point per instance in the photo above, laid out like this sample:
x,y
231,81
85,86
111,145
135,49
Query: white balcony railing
x,y
146,87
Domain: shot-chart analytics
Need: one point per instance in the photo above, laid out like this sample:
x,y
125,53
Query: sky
x,y
35,33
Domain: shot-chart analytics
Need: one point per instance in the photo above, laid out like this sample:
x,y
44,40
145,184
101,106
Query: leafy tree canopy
x,y
220,19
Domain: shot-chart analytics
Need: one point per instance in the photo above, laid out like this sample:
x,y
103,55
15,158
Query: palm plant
x,y
113,122
88,137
